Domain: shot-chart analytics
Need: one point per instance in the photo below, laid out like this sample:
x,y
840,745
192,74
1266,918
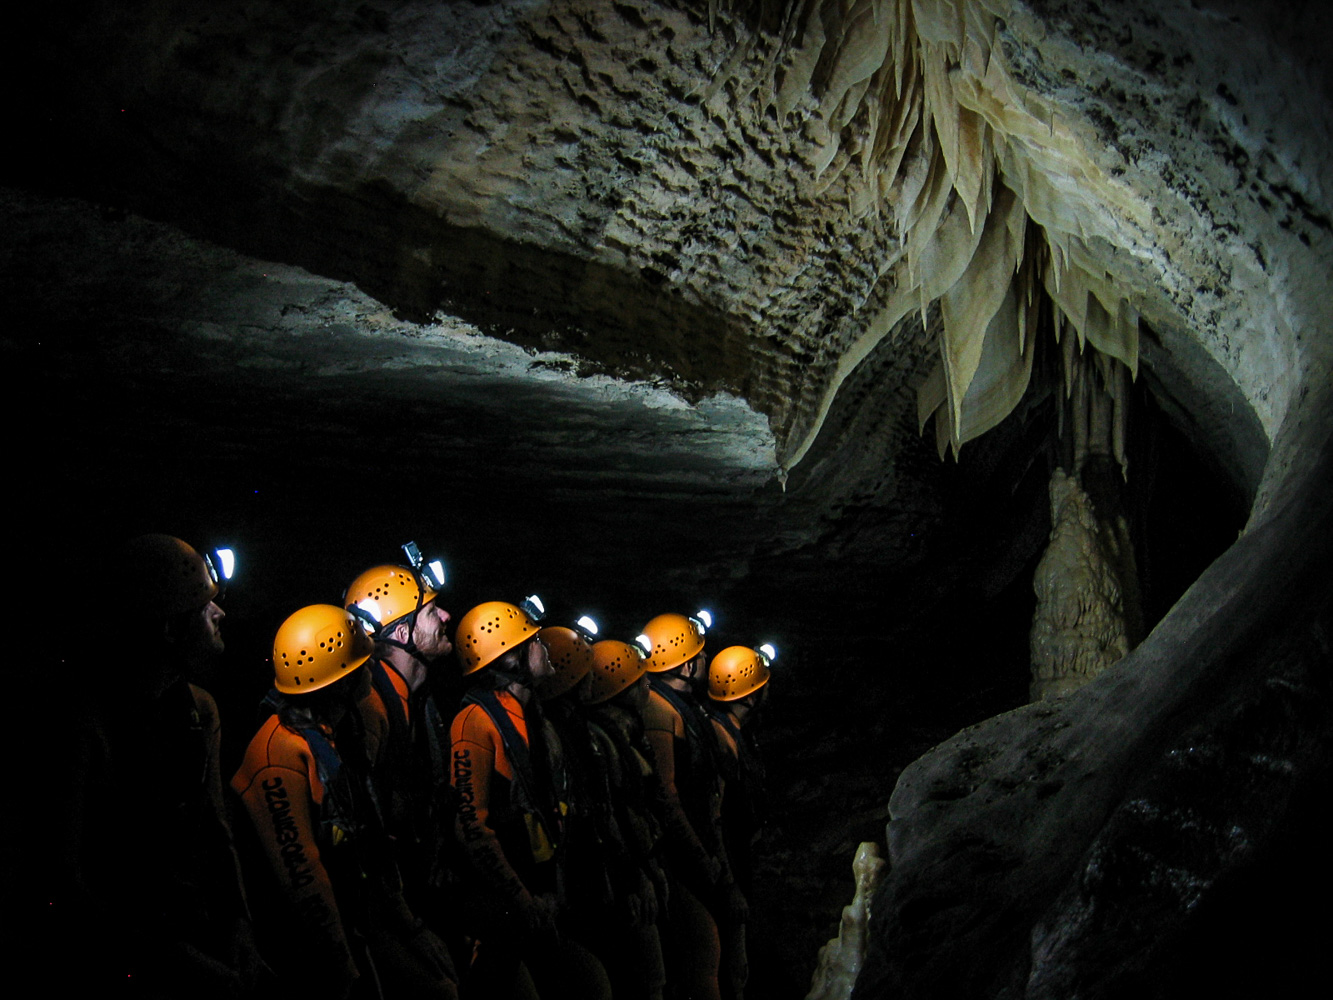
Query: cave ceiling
x,y
481,261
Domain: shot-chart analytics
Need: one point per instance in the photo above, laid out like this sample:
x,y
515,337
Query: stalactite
x,y
970,168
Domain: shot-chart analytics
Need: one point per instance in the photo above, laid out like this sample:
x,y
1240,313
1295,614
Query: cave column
x,y
1089,609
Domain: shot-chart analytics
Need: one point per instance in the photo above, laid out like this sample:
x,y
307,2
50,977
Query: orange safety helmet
x,y
387,593
165,576
675,639
489,631
615,666
571,659
736,672
316,646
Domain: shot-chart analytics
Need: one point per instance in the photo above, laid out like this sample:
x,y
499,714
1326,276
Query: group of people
x,y
579,823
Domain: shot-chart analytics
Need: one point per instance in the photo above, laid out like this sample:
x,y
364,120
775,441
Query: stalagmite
x,y
840,959
1078,629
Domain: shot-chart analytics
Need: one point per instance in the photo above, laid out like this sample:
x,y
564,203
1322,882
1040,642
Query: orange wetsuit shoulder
x,y
665,731
481,774
279,783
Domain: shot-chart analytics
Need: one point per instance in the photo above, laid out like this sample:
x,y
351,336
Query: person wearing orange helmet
x,y
737,688
572,767
592,860
340,920
686,757
737,685
616,698
168,911
406,737
509,823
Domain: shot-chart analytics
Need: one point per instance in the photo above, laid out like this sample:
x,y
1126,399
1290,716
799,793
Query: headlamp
x,y
226,562
533,607
432,573
768,653
644,645
220,563
703,620
587,627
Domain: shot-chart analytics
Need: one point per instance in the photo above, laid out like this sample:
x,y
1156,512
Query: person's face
x,y
539,662
430,635
200,637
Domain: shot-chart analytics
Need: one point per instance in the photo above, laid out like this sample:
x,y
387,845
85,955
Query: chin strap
x,y
409,647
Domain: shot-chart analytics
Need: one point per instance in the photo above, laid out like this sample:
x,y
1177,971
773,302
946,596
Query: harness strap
x,y
399,733
516,749
701,739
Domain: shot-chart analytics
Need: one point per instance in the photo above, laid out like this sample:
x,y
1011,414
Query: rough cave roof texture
x,y
383,264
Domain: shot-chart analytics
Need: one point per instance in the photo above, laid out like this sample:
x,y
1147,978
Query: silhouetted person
x,y
149,896
737,685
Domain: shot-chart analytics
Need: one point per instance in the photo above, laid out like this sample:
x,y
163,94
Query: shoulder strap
x,y
327,762
436,733
696,726
725,720
516,748
399,735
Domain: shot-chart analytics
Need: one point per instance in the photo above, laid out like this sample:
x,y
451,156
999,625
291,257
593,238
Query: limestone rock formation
x,y
840,960
1079,626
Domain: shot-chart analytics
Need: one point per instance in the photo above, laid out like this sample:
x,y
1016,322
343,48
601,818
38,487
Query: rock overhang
x,y
648,193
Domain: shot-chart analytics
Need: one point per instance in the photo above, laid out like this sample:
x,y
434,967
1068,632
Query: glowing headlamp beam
x,y
434,572
226,562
